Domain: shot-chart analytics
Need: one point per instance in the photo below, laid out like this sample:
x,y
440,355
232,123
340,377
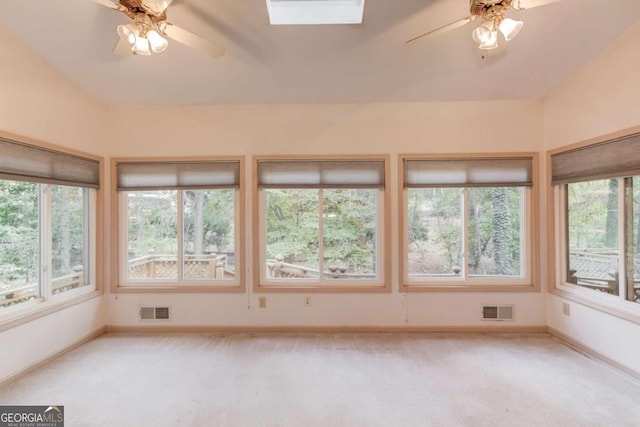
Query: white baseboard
x,y
257,329
588,351
34,366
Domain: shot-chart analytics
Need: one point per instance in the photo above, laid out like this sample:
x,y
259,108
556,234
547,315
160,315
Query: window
x,y
321,223
47,225
179,223
597,197
468,221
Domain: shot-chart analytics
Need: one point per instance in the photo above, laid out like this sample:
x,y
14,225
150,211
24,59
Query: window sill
x,y
44,309
449,287
173,289
609,304
315,288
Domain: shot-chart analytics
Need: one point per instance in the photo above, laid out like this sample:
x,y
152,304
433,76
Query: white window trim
x,y
469,281
321,283
179,282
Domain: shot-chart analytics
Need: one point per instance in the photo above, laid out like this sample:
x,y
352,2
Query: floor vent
x,y
498,312
154,313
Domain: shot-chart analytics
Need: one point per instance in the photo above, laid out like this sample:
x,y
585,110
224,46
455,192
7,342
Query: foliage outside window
x,y
320,222
439,241
178,222
328,230
207,235
467,221
47,226
597,195
45,241
594,243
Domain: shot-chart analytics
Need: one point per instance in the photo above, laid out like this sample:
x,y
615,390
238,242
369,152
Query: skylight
x,y
315,12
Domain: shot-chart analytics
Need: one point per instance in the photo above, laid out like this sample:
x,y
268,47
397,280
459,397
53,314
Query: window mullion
x,y
123,204
87,225
320,235
465,233
625,222
525,232
45,241
569,278
180,223
622,239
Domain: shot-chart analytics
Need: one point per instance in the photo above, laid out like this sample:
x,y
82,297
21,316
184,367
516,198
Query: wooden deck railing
x,y
163,266
597,269
25,293
277,268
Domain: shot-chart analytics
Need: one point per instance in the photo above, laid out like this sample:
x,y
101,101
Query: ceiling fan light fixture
x,y
156,41
483,33
510,28
128,33
141,46
492,43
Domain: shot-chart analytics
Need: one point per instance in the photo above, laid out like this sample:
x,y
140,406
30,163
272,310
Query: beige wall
x,y
320,128
604,97
331,129
38,102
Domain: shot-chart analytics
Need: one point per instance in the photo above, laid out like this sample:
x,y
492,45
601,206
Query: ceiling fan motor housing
x,y
488,9
135,7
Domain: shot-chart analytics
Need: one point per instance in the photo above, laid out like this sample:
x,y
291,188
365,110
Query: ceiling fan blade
x,y
122,47
189,39
529,4
156,6
452,26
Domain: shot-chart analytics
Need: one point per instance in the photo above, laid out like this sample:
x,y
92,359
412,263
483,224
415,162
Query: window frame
x,y
557,236
121,284
527,282
383,281
47,302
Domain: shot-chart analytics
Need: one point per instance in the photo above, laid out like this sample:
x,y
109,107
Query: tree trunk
x,y
501,231
65,243
474,251
64,250
198,223
611,236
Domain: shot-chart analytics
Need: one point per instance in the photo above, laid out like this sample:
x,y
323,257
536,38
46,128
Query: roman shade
x,y
321,174
24,162
609,159
137,176
473,172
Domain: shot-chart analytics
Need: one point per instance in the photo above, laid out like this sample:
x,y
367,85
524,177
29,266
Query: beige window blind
x,y
479,172
24,162
137,176
321,174
609,159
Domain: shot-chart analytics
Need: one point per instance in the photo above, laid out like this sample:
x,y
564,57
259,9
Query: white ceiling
x,y
311,64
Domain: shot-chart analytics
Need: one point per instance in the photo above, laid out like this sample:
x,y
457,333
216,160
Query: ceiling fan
x,y
149,29
492,14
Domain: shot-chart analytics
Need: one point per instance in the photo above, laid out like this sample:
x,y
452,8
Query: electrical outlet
x,y
307,301
262,302
566,309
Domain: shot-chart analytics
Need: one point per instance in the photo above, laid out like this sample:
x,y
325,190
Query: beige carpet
x,y
330,380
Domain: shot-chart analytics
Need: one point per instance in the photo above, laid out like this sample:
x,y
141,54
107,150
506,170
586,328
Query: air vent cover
x,y
154,313
498,312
